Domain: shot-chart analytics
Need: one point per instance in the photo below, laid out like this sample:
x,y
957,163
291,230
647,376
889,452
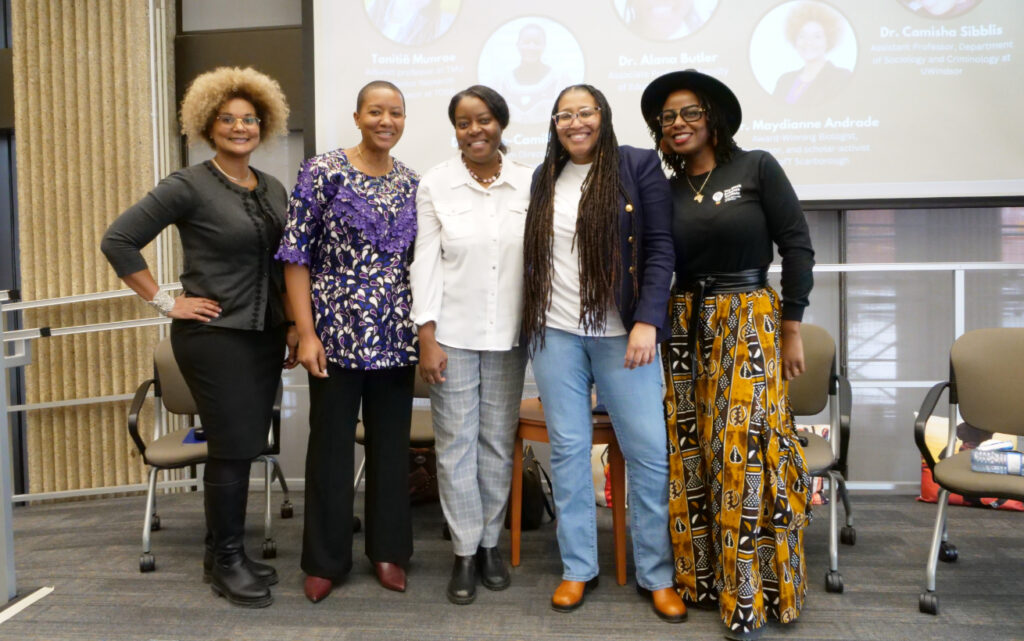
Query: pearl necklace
x,y
248,173
482,181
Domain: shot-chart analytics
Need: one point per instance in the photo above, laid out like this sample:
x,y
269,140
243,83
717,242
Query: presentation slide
x,y
858,99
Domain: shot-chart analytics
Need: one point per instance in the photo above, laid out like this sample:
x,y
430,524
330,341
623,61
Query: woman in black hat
x,y
739,490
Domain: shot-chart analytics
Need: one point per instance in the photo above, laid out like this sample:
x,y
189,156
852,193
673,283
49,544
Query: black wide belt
x,y
713,283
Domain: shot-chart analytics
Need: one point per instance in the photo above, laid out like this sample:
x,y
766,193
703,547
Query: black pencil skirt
x,y
233,375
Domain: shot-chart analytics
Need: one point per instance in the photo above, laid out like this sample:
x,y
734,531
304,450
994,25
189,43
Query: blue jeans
x,y
565,369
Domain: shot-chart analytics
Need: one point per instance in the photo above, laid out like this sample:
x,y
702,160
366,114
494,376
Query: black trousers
x,y
386,398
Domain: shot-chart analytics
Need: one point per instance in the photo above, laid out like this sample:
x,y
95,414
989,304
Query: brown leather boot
x,y
668,606
569,594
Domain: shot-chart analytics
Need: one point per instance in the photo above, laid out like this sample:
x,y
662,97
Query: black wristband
x,y
289,323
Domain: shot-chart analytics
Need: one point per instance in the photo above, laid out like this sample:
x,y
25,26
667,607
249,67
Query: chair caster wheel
x,y
154,523
269,549
848,535
833,582
146,562
928,603
287,511
948,552
357,524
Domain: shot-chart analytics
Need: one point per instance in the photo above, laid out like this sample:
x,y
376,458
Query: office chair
x,y
986,379
809,393
176,450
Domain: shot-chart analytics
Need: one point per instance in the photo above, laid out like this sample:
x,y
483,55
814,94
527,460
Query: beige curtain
x,y
82,99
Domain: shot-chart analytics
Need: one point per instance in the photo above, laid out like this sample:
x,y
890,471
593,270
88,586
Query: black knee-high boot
x,y
264,572
230,577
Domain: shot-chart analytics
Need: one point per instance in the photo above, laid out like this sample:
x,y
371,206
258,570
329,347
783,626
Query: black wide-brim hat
x,y
657,92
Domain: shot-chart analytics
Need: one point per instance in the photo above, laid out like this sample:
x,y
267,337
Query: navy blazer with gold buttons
x,y
645,221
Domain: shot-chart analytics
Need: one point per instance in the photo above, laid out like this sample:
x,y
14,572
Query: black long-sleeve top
x,y
748,205
228,237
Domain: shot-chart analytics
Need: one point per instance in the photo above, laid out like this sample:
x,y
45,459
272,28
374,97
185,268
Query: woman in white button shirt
x,y
467,279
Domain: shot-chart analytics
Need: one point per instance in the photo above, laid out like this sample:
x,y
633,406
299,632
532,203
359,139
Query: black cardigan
x,y
228,236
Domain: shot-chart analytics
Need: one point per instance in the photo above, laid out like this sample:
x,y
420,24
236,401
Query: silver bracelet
x,y
162,303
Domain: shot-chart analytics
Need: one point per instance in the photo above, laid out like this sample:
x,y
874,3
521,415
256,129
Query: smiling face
x,y
580,137
477,131
811,41
381,119
685,138
236,139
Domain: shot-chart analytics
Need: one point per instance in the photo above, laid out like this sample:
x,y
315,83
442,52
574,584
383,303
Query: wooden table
x,y
532,427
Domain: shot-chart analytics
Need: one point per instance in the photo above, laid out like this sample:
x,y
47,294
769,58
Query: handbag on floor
x,y
423,475
536,500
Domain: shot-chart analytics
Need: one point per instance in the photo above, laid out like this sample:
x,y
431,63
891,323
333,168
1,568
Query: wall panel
x,y
85,143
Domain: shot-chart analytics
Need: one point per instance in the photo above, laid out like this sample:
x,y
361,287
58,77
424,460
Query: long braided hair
x,y
597,228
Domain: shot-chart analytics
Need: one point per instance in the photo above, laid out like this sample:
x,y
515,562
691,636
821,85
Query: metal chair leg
x,y
146,561
833,579
269,545
845,496
268,466
150,507
938,536
833,521
287,509
279,476
359,474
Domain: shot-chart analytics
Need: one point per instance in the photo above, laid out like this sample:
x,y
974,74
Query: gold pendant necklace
x,y
698,194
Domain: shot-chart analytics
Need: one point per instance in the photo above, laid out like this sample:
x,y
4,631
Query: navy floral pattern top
x,y
353,230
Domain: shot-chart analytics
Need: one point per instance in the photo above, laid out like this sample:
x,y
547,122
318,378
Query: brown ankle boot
x,y
668,606
569,594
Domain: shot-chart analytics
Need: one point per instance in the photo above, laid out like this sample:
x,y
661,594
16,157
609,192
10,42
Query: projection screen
x,y
858,99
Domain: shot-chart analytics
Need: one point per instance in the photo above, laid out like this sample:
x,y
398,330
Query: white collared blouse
x,y
467,271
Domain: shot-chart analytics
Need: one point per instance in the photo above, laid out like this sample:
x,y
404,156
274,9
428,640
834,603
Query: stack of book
x,y
997,457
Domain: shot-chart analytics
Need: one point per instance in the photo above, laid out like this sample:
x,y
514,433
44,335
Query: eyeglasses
x,y
564,118
229,120
668,117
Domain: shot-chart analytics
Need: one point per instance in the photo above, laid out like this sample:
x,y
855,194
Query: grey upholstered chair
x,y
819,386
175,449
986,383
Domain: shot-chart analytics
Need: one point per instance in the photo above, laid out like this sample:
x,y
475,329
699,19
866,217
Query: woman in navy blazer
x,y
598,259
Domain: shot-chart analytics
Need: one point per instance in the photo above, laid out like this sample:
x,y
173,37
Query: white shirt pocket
x,y
456,219
515,222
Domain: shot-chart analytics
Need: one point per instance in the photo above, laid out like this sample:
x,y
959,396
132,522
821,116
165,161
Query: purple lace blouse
x,y
353,230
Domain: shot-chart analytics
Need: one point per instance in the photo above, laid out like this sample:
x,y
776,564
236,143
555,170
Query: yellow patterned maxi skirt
x,y
739,492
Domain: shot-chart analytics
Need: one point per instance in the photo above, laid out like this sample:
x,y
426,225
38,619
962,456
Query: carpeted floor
x,y
89,552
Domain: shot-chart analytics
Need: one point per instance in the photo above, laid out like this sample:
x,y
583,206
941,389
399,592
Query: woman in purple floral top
x,y
351,221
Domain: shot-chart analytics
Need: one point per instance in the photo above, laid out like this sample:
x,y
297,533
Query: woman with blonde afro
x,y
231,321
813,29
